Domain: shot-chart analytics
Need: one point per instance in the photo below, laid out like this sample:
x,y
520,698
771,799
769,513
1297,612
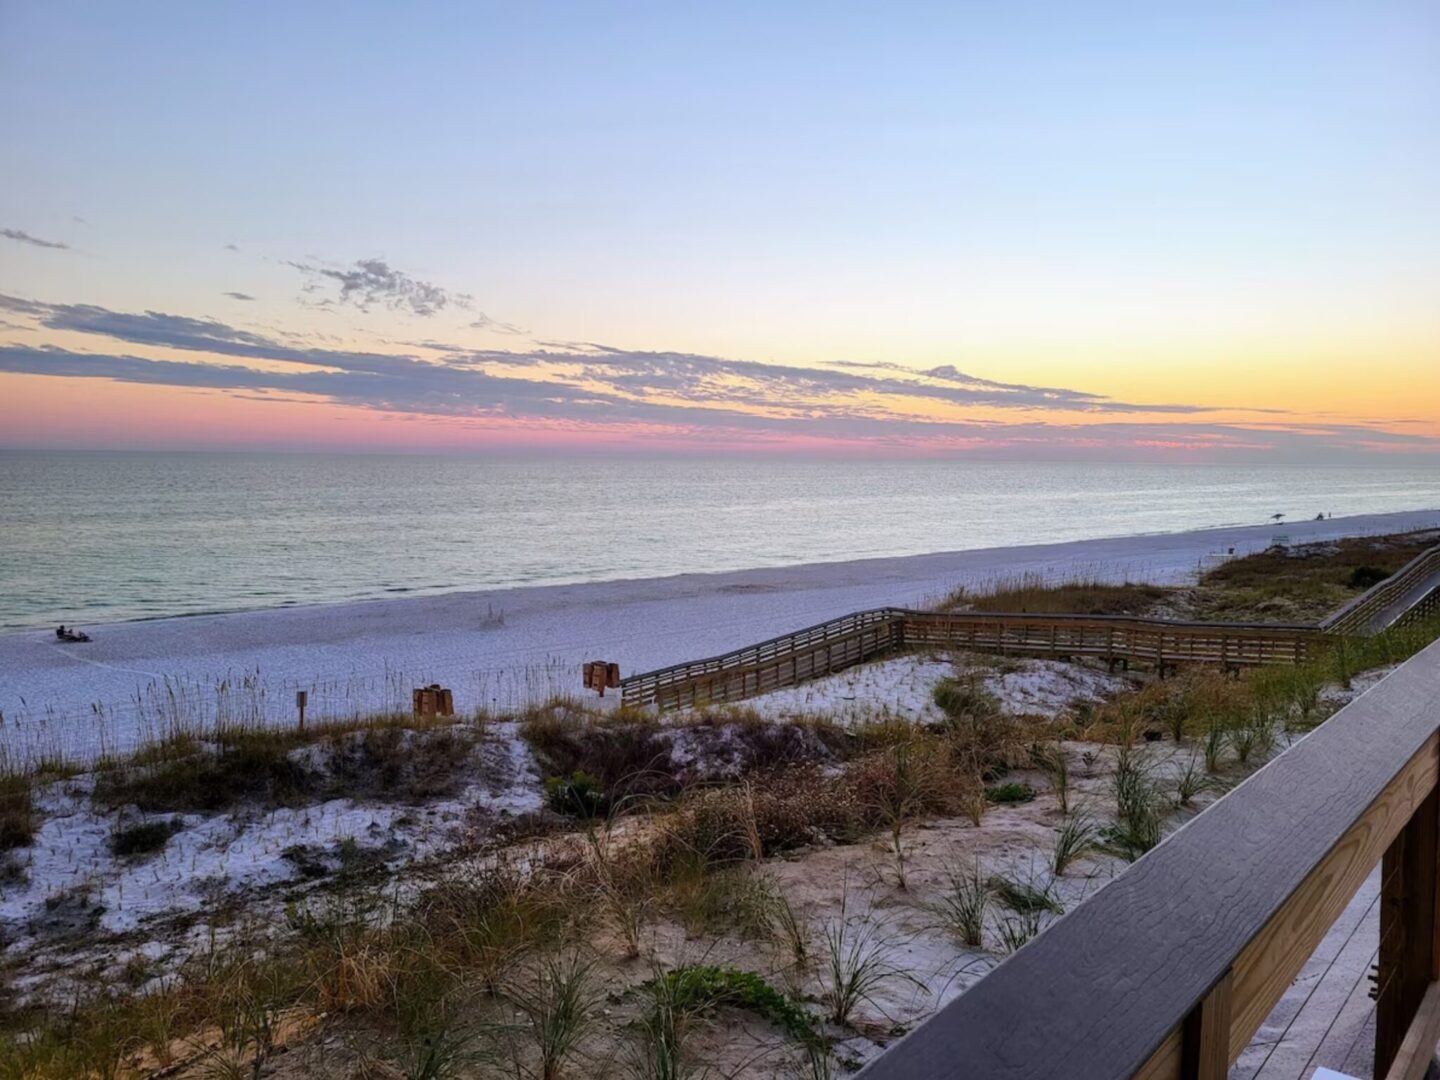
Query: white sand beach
x,y
500,648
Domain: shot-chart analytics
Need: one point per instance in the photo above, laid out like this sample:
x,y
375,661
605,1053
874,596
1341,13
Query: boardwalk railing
x,y
841,643
852,639
1168,972
1411,591
1159,641
781,661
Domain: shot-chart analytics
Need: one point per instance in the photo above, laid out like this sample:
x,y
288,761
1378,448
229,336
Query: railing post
x,y
1205,1038
1409,959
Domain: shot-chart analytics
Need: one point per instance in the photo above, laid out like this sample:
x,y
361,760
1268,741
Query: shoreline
x,y
116,541
421,593
499,648
1349,525
416,593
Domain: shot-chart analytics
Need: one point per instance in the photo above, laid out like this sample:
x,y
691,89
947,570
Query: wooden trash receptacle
x,y
433,700
601,675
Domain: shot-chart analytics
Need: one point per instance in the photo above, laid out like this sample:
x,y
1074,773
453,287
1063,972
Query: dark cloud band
x,y
704,396
20,236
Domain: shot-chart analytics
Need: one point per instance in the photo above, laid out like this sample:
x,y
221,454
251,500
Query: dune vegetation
x,y
576,890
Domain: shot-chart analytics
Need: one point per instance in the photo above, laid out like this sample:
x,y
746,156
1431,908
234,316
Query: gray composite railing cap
x,y
1097,993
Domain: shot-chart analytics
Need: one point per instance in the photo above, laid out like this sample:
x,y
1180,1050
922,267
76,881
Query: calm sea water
x,y
94,537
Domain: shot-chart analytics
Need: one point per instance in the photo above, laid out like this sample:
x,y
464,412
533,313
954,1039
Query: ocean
x,y
88,538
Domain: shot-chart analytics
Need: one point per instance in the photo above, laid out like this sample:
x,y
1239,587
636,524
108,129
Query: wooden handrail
x,y
1360,613
782,660
1171,968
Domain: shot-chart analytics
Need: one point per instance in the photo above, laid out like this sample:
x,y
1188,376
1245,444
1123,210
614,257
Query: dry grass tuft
x,y
1036,594
385,755
18,820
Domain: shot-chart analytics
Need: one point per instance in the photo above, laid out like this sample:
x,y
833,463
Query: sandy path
x,y
362,655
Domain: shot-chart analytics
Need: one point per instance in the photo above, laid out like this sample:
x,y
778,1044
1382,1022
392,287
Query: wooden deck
x,y
1326,1018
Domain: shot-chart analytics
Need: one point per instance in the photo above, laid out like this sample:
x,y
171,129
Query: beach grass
x,y
1036,594
1301,583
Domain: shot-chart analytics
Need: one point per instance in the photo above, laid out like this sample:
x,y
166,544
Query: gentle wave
x,y
101,537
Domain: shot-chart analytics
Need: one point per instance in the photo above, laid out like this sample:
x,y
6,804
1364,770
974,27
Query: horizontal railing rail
x,y
840,643
1383,603
768,665
1170,970
864,635
1161,641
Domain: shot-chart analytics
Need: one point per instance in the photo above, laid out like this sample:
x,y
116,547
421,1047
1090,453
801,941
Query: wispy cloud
x,y
485,322
708,378
239,296
20,236
368,283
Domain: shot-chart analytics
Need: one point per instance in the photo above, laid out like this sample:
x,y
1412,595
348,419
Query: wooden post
x,y
1205,1038
301,697
1409,958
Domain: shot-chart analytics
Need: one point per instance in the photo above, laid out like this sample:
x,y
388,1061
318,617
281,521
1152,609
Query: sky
x,y
1121,231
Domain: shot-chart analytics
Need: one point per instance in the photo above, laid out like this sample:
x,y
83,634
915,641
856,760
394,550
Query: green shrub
x,y
1364,577
628,760
1010,793
697,988
1025,897
144,838
964,699
578,794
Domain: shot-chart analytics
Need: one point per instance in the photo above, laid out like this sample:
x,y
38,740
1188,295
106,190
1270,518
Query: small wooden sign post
x,y
600,675
301,697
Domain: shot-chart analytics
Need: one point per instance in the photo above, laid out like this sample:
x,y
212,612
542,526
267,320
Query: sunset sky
x,y
1179,231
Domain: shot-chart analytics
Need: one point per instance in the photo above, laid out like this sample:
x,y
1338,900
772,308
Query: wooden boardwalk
x,y
852,639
